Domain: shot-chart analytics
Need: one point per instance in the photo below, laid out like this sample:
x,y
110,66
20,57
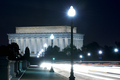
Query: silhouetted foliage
x,y
92,48
12,51
14,54
76,52
27,54
53,52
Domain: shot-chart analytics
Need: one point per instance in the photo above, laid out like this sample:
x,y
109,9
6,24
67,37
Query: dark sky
x,y
99,20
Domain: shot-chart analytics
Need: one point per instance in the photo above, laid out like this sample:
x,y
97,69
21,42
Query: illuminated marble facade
x,y
35,37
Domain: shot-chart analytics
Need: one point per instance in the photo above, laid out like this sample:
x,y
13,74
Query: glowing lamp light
x,y
42,50
89,54
116,50
53,59
52,36
100,52
71,11
45,45
38,56
81,56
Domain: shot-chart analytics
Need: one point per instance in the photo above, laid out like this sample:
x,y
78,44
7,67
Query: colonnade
x,y
36,44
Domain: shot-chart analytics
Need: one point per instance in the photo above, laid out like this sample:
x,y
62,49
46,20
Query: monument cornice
x,y
45,35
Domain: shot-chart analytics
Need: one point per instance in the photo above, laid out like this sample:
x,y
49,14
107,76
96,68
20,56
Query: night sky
x,y
99,20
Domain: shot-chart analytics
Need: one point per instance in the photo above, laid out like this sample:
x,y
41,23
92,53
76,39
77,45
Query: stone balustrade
x,y
4,68
10,69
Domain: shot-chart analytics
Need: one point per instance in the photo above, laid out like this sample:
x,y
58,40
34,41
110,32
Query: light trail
x,y
97,72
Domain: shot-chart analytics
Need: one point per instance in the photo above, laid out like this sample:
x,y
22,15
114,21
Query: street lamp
x,y
71,13
45,45
100,52
89,54
52,37
116,50
42,52
81,56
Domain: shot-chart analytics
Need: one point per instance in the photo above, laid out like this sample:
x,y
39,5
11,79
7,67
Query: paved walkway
x,y
41,74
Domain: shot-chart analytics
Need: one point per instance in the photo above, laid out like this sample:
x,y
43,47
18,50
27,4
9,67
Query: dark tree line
x,y
108,52
61,55
93,48
12,51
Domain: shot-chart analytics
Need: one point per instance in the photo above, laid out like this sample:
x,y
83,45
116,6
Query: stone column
x,y
55,42
14,40
35,46
44,41
18,42
80,43
41,43
66,42
49,42
4,68
24,42
12,68
61,43
9,41
30,44
16,68
20,65
24,65
69,41
38,43
77,43
10,76
22,45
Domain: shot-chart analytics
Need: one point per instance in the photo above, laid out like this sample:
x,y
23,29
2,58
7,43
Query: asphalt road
x,y
83,74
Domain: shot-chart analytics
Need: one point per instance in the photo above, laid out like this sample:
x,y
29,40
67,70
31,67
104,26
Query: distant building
x,y
35,37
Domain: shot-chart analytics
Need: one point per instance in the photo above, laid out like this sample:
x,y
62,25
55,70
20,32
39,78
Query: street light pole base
x,y
51,70
71,78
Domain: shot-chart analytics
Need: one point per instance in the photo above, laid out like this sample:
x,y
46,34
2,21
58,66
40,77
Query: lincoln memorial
x,y
36,36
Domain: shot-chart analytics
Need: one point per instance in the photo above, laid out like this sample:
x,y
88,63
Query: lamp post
x,y
45,46
42,52
100,52
52,37
89,54
71,13
81,56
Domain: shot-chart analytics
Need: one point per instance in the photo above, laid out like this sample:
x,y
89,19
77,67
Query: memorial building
x,y
36,36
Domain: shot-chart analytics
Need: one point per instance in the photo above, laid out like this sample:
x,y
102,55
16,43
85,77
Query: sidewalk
x,y
18,76
41,74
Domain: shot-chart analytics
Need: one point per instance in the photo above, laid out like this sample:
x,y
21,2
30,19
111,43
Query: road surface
x,y
83,72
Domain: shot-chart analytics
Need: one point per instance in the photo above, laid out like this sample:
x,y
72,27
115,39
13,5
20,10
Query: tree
x,y
76,51
93,49
67,50
13,49
27,54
